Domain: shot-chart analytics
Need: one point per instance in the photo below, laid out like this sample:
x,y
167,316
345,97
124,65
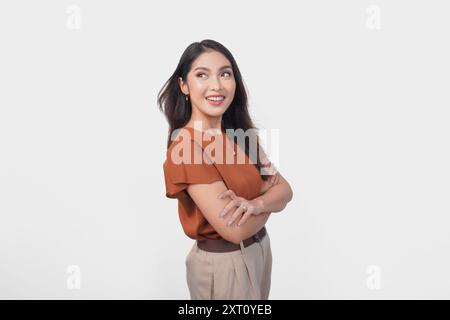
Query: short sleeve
x,y
179,174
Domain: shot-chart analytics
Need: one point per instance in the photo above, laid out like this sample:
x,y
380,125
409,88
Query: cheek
x,y
197,89
197,92
231,88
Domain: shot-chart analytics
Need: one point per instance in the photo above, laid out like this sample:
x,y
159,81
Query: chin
x,y
215,114
215,111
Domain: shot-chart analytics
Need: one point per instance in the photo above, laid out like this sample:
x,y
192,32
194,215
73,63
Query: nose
x,y
215,83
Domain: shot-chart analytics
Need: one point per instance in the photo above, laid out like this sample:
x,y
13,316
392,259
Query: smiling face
x,y
210,86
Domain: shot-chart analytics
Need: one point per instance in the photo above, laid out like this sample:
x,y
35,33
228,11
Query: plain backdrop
x,y
358,91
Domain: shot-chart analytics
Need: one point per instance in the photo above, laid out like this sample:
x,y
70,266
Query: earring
x,y
187,98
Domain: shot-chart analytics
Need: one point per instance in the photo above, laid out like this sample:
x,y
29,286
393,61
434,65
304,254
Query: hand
x,y
267,184
245,208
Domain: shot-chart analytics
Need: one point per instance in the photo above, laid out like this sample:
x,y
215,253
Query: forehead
x,y
212,60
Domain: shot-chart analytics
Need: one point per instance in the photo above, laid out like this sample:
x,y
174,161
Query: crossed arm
x,y
274,199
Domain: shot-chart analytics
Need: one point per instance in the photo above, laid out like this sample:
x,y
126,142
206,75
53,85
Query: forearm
x,y
275,199
251,226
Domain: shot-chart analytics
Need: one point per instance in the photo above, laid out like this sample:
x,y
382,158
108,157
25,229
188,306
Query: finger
x,y
268,184
274,177
272,180
223,194
229,193
245,217
228,207
237,213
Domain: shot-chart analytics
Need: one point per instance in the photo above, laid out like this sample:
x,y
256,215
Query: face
x,y
211,74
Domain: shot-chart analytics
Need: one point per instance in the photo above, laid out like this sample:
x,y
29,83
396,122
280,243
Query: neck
x,y
213,124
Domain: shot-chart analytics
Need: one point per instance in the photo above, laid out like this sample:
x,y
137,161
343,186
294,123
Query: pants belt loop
x,y
242,246
196,247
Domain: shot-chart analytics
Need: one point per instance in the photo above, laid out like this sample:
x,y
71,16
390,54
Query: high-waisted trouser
x,y
240,274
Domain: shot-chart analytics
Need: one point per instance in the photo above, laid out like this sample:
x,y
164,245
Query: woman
x,y
223,206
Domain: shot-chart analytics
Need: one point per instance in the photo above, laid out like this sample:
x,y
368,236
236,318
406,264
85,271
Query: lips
x,y
215,96
215,102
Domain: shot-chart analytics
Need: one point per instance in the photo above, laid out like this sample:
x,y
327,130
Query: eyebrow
x,y
204,68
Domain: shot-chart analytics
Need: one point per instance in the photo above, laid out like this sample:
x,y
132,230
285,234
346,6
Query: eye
x,y
199,74
228,73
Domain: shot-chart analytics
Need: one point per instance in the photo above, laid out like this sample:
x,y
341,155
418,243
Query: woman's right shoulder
x,y
184,135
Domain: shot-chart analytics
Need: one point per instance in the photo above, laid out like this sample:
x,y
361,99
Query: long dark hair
x,y
172,102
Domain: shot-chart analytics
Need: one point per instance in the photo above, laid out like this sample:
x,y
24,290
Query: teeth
x,y
215,98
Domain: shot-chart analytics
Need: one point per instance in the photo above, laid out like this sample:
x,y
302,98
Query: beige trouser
x,y
240,274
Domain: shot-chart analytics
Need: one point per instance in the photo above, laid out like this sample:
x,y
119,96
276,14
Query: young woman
x,y
224,204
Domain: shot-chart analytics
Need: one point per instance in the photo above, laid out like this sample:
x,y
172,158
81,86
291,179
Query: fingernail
x,y
219,196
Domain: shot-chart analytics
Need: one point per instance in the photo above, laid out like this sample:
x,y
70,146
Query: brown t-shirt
x,y
243,178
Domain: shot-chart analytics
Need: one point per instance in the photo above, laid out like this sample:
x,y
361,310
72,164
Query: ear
x,y
183,86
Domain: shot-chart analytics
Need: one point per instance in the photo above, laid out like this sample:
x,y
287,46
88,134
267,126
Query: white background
x,y
363,118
